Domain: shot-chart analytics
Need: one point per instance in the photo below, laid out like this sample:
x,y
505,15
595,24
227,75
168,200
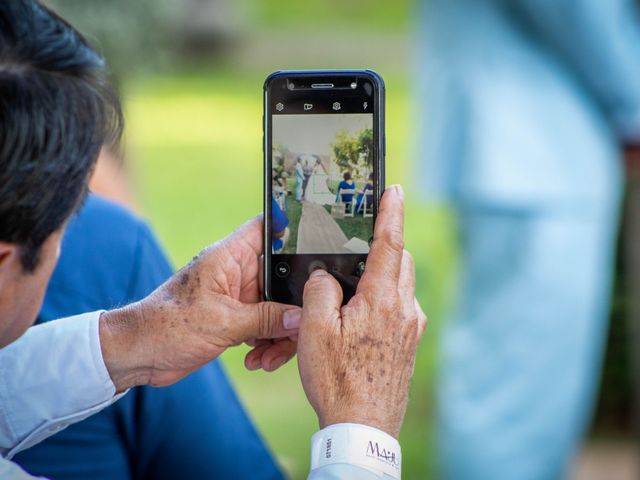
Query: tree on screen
x,y
354,153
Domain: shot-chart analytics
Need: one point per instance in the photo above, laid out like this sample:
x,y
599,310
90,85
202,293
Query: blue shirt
x,y
344,185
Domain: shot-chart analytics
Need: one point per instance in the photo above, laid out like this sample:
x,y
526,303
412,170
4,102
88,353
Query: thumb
x,y
321,300
267,320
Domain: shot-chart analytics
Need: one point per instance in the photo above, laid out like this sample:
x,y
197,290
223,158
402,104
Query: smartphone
x,y
324,159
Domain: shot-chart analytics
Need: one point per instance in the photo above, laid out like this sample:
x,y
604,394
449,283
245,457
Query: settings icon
x,y
279,107
336,105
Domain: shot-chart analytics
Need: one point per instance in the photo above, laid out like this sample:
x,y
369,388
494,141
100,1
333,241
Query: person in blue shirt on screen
x,y
346,184
279,223
196,428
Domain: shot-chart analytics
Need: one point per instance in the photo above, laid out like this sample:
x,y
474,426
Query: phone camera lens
x,y
354,84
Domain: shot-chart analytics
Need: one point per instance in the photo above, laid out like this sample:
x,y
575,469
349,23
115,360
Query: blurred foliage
x,y
132,35
141,35
338,14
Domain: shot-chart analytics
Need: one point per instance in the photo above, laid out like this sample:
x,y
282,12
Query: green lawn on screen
x,y
196,142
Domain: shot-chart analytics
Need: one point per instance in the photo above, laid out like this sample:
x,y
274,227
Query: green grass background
x,y
195,143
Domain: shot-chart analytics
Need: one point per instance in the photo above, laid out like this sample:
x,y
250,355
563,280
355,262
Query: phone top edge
x,y
368,72
315,71
375,77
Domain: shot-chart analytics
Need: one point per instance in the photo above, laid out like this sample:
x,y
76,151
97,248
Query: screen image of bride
x,y
318,186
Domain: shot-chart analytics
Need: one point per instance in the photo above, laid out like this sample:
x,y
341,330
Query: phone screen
x,y
322,140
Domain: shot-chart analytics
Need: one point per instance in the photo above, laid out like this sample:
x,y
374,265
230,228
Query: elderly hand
x,y
356,361
206,307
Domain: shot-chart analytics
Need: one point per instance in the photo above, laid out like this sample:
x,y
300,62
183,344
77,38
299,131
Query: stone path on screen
x,y
318,232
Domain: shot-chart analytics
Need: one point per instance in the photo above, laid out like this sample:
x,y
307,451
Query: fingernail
x,y
253,364
318,273
277,363
399,190
291,319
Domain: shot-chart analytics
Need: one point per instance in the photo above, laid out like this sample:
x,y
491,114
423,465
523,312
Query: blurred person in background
x,y
527,106
196,428
112,179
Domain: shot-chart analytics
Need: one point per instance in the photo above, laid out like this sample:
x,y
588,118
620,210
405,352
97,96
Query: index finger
x,y
385,255
249,233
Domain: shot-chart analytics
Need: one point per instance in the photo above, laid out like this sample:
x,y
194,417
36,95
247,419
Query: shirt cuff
x,y
53,376
358,445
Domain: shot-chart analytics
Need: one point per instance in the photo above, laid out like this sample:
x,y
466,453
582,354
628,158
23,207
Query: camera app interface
x,y
322,182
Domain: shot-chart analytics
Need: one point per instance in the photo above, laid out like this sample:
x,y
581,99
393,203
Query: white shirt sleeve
x,y
52,376
348,450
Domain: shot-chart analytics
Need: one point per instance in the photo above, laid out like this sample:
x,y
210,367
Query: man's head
x,y
57,109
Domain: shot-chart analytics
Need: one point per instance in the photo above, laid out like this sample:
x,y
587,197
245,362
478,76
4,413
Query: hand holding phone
x,y
356,362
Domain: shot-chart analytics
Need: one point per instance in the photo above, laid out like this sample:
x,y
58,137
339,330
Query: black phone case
x,y
379,119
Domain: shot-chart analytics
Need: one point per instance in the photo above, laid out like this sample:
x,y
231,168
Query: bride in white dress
x,y
318,188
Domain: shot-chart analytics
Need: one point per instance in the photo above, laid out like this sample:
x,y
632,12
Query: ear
x,y
9,254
